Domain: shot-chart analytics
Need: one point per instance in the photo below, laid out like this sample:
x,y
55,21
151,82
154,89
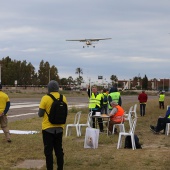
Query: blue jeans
x,y
53,141
142,109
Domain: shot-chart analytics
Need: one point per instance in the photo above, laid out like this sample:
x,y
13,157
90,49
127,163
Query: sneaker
x,y
9,141
152,128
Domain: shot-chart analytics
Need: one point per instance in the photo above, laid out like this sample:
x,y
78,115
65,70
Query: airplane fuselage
x,y
88,42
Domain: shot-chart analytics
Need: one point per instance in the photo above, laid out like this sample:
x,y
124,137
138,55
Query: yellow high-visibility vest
x,y
95,101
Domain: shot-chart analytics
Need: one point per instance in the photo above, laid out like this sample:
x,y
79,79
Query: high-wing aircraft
x,y
89,42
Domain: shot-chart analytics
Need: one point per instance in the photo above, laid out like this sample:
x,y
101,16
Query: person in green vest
x,y
105,102
161,100
114,95
95,105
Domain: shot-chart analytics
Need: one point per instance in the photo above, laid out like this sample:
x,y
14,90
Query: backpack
x,y
58,111
128,143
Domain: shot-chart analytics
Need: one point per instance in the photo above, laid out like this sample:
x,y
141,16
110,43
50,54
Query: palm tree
x,y
114,79
79,71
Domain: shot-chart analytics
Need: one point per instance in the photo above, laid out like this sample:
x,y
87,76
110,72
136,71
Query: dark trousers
x,y
104,109
161,124
161,104
53,141
142,109
100,120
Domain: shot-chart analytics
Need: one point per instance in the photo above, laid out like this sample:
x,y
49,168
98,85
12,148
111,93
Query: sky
x,y
36,30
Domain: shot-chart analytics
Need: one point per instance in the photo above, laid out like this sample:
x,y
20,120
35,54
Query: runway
x,y
22,108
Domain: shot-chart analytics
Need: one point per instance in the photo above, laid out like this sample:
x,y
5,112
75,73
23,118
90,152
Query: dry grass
x,y
153,156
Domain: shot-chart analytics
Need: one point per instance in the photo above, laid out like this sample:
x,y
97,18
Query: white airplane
x,y
90,41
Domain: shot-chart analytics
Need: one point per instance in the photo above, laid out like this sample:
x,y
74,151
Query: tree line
x,y
25,74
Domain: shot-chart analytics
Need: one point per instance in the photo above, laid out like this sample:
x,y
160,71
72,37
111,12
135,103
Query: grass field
x,y
154,155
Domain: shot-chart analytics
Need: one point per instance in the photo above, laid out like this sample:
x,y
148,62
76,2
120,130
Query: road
x,y
22,108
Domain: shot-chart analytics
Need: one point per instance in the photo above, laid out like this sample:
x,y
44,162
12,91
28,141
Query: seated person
x,y
115,115
161,123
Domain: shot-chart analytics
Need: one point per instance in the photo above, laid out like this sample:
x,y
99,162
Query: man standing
x,y
114,95
95,105
105,102
4,107
142,97
52,133
161,100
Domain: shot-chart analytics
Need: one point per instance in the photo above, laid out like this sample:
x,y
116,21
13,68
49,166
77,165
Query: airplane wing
x,y
93,39
98,39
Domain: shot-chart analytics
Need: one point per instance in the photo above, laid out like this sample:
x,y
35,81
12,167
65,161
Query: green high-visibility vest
x,y
161,97
115,96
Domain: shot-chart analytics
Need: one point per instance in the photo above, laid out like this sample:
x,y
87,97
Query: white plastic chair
x,y
87,124
167,130
128,116
133,112
120,125
130,133
75,124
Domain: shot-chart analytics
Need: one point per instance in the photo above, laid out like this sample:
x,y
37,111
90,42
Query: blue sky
x,y
35,30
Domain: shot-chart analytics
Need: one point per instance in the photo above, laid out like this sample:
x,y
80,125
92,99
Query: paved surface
x,y
29,164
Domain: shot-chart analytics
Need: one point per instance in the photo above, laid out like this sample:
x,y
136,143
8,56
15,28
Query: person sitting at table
x,y
115,115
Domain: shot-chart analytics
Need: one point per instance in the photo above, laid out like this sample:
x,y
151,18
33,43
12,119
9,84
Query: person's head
x,y
143,91
53,86
104,90
0,86
94,89
113,103
113,89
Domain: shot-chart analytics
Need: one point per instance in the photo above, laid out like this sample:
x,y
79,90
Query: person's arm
x,y
120,101
7,107
114,110
41,112
88,92
109,99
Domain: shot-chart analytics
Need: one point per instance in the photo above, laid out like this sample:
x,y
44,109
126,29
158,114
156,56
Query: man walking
x,y
4,107
52,133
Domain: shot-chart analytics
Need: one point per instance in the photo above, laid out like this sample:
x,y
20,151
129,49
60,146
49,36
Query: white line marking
x,y
26,114
21,106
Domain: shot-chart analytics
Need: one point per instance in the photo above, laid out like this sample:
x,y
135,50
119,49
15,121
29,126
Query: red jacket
x,y
143,97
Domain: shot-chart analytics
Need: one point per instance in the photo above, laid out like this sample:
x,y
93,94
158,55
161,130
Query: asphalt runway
x,y
23,108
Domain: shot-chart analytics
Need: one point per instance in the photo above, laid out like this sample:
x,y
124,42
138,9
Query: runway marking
x,y
26,114
37,105
26,105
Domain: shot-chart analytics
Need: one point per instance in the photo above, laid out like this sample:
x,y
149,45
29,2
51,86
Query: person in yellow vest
x,y
4,108
115,115
52,133
161,100
114,95
95,105
105,102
